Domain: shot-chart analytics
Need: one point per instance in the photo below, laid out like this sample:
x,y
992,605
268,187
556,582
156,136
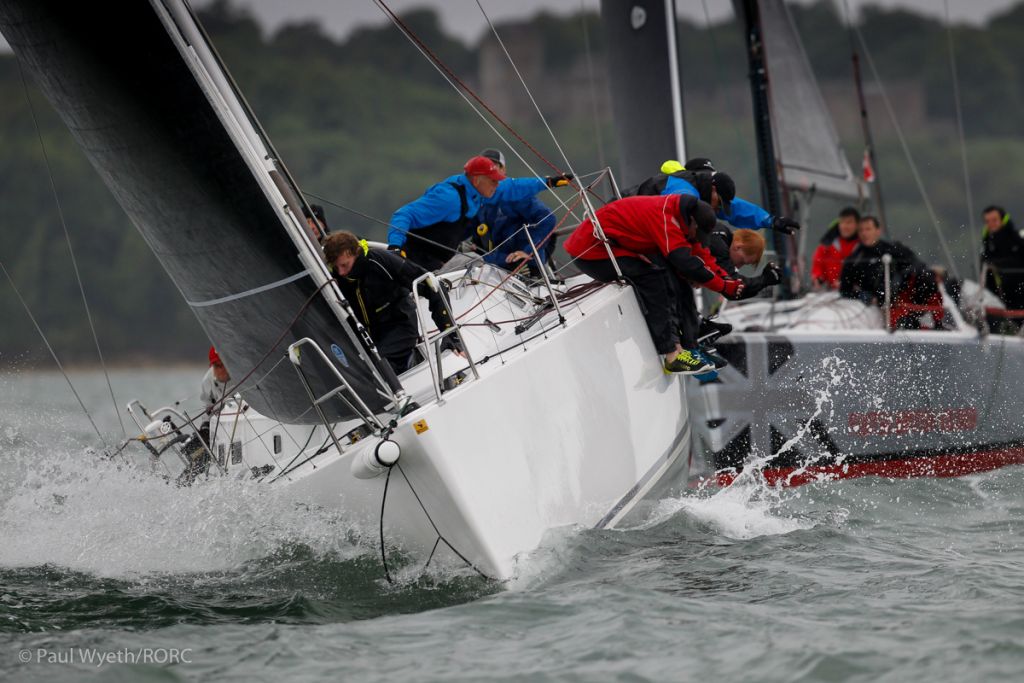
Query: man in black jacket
x,y
378,285
1003,251
863,275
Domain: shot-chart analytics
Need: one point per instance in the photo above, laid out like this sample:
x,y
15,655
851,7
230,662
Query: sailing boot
x,y
687,362
708,377
711,356
710,331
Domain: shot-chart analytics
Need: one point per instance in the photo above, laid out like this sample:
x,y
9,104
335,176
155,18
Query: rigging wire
x,y
586,199
71,250
526,88
462,89
975,247
53,353
906,151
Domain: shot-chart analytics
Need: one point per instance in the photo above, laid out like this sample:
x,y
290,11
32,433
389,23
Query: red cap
x,y
485,167
214,358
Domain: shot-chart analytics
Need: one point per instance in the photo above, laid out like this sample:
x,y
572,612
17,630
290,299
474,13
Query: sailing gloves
x,y
784,225
732,289
452,343
772,275
559,180
396,249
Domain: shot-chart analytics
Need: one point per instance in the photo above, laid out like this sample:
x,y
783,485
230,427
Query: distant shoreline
x,y
111,367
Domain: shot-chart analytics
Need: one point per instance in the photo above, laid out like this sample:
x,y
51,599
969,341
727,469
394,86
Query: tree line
x,y
368,123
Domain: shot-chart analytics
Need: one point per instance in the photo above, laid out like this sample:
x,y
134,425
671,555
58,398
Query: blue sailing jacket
x,y
439,204
513,205
742,214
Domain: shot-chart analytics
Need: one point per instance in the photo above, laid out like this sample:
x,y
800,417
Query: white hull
x,y
572,428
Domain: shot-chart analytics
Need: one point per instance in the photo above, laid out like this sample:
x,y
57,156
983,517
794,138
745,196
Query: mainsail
x,y
643,71
131,97
806,143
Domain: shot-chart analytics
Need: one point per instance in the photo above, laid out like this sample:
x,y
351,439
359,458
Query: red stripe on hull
x,y
955,465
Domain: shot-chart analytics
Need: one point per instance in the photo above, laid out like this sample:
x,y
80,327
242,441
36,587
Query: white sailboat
x,y
559,415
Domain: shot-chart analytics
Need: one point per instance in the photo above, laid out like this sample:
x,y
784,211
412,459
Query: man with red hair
x,y
656,240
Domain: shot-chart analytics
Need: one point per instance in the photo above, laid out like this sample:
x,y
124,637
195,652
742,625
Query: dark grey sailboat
x,y
819,385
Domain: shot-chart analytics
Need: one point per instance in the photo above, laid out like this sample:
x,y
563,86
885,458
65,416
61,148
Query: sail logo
x,y
339,354
638,17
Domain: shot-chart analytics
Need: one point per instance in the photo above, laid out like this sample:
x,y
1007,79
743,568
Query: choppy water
x,y
861,580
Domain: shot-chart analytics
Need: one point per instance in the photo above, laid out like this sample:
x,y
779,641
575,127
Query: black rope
x,y
429,519
383,552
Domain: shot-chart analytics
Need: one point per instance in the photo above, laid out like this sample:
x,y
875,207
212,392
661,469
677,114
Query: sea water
x,y
109,573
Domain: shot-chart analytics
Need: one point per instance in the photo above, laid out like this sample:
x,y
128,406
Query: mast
x,y
869,143
678,124
771,194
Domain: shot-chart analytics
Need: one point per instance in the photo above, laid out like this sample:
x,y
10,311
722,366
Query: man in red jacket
x,y
655,240
838,242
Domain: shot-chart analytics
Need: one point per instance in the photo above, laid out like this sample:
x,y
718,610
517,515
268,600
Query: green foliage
x,y
369,123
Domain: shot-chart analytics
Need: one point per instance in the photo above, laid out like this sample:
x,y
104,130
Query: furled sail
x,y
131,97
806,143
643,72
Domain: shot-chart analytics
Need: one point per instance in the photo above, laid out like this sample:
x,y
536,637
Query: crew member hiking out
x,y
734,249
700,179
643,231
378,284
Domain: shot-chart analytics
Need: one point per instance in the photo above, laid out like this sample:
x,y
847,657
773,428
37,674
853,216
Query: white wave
x,y
75,510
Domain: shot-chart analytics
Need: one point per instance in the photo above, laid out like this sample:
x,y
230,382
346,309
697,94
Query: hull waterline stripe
x,y
659,466
249,292
940,466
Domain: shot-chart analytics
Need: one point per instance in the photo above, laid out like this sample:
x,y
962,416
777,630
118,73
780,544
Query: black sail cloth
x,y
136,109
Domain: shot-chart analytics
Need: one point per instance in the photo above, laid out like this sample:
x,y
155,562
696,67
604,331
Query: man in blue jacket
x,y
701,180
428,230
510,212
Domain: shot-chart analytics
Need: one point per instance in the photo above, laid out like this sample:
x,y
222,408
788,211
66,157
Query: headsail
x,y
127,88
806,142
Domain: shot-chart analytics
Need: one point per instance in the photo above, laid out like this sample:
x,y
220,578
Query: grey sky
x,y
464,19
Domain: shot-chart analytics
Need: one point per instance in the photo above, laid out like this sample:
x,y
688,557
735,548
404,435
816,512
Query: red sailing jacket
x,y
645,225
827,263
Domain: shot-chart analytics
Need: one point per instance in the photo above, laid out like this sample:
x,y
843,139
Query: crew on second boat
x,y
378,285
656,240
836,245
912,285
1003,253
